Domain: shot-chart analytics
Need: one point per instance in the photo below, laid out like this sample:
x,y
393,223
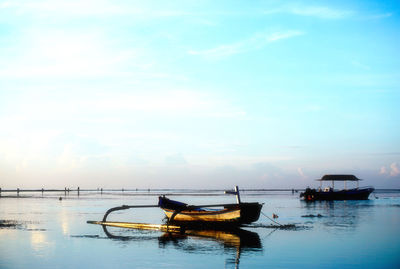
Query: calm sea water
x,y
48,233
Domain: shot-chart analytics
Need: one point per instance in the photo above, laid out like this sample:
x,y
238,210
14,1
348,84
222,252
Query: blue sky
x,y
198,93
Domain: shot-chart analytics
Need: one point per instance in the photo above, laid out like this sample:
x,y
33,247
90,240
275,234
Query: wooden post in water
x,y
101,191
0,192
78,191
237,194
65,191
18,192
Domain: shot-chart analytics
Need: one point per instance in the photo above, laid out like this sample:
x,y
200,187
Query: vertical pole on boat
x,y
237,194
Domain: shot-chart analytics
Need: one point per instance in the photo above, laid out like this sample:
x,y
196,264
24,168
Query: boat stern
x,y
249,212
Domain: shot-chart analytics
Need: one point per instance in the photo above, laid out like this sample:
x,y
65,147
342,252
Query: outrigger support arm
x,y
123,207
176,212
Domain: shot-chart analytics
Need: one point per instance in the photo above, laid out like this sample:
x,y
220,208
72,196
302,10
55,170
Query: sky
x,y
198,94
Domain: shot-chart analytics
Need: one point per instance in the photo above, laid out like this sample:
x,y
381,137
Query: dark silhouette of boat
x,y
329,193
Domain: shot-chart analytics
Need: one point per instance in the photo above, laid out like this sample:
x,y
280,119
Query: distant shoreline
x,y
169,190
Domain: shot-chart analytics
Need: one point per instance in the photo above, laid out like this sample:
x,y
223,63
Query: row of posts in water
x,y
66,191
98,190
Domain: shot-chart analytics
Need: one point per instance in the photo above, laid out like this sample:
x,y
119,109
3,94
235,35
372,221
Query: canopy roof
x,y
339,178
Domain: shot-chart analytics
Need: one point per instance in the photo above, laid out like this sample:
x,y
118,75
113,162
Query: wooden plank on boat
x,y
140,226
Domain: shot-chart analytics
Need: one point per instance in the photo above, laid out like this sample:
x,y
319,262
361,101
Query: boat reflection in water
x,y
236,241
336,215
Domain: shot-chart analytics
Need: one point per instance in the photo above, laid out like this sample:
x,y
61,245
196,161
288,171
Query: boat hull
x,y
243,213
351,194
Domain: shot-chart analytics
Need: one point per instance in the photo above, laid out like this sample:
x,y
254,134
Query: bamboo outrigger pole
x,y
135,225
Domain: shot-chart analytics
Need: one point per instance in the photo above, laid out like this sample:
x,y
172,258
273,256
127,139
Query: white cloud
x,y
241,160
168,101
301,173
380,16
175,159
321,12
383,170
256,41
44,126
39,110
84,8
394,170
69,54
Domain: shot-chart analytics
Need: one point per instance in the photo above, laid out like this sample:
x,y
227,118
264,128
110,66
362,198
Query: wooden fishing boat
x,y
242,213
229,214
330,193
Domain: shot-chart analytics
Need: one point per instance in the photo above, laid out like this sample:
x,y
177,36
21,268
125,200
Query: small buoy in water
x,y
275,216
60,198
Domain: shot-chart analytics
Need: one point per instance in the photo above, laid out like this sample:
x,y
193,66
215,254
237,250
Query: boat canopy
x,y
339,178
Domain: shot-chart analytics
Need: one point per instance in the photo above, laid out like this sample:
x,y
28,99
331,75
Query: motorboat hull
x,y
350,194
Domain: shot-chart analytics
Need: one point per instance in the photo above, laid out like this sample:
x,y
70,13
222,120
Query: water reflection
x,y
64,222
233,243
40,243
337,214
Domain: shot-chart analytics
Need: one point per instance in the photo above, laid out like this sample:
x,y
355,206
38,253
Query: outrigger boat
x,y
231,214
181,216
329,193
